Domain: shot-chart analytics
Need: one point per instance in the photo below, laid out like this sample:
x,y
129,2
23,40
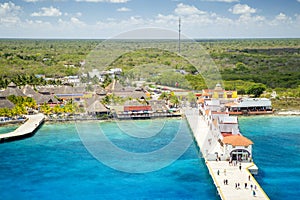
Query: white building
x,y
237,147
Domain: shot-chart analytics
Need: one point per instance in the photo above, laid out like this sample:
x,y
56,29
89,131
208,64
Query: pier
x,y
25,130
240,182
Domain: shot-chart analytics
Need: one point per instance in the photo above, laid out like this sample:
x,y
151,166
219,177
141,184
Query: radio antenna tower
x,y
179,31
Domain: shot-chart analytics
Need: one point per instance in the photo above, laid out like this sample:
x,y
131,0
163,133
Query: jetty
x,y
233,180
29,127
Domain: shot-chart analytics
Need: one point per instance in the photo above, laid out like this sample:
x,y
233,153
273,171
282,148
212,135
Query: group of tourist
x,y
237,185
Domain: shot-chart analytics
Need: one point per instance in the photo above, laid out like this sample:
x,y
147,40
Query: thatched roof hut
x,y
5,103
12,89
97,108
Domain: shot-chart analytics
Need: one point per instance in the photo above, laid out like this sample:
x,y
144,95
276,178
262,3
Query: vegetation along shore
x,y
51,76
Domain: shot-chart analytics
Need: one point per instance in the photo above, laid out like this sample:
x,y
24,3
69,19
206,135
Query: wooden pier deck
x,y
221,170
29,127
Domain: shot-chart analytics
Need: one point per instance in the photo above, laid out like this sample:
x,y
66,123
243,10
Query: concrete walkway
x,y
233,174
33,122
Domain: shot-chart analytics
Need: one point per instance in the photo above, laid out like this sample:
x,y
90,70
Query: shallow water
x,y
7,128
54,164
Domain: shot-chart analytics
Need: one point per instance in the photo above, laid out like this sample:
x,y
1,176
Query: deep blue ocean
x,y
54,164
276,153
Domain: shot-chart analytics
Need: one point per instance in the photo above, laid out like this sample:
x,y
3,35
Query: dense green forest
x,y
54,58
269,63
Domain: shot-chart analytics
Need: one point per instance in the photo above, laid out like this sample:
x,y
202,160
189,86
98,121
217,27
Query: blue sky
x,y
108,18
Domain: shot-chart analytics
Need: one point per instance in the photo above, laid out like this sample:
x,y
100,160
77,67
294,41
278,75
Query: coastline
x,y
287,112
281,113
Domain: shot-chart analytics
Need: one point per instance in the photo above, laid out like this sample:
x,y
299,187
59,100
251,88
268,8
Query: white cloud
x,y
225,1
9,9
298,1
281,19
104,1
31,1
47,12
281,16
183,9
123,9
76,21
242,9
9,13
195,23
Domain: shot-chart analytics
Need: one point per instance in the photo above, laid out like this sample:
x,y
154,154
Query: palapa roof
x,y
12,84
30,92
158,105
115,86
12,89
47,99
133,94
96,107
64,89
5,103
39,98
237,140
91,100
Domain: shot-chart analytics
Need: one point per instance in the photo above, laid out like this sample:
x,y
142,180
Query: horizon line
x,y
84,38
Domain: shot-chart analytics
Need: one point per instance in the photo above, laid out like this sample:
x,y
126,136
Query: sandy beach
x,y
288,112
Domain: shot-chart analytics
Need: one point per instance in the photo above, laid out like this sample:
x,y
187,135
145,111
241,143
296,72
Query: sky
x,y
103,19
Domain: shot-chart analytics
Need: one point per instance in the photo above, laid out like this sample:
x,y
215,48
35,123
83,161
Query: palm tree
x,y
45,108
174,101
164,96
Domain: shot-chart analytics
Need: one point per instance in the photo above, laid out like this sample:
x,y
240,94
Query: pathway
x,y
33,122
233,174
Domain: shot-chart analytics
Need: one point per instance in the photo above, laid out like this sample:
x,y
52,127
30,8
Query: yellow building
x,y
219,93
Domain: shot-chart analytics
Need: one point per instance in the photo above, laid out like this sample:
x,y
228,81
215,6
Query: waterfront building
x,y
218,93
12,89
237,147
228,125
39,98
64,92
225,141
251,106
212,104
5,103
97,109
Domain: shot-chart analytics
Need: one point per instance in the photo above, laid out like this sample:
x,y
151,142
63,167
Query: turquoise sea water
x,y
276,153
54,164
7,129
